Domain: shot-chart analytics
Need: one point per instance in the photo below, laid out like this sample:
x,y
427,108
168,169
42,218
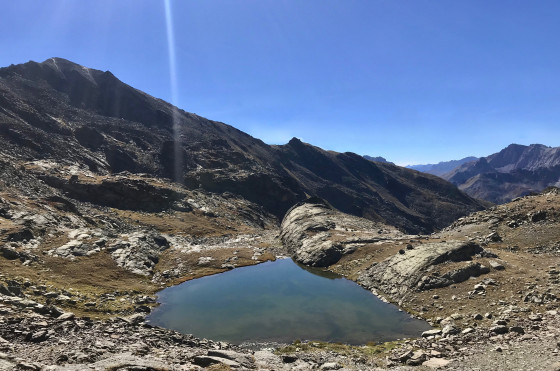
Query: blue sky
x,y
413,81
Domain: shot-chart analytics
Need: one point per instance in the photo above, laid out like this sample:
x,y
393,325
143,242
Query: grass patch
x,y
371,350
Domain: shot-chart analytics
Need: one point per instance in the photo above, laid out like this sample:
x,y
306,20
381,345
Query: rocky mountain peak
x,y
514,171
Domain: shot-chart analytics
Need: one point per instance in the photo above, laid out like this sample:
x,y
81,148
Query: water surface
x,y
281,302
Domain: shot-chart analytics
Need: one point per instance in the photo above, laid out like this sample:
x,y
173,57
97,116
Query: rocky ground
x,y
488,283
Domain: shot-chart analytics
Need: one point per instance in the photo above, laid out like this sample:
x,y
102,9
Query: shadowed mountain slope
x,y
63,112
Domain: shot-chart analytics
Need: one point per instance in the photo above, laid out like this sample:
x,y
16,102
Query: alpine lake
x,y
281,302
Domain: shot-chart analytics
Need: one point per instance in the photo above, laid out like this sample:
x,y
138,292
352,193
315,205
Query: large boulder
x,y
317,235
403,272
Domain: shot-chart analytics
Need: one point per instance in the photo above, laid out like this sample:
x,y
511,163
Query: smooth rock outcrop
x,y
401,273
317,235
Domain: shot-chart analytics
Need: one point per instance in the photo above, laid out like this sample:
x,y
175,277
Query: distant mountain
x,y
515,171
442,167
376,159
67,114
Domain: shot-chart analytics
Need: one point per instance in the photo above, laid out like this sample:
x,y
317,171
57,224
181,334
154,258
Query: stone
x,y
436,363
244,360
305,232
28,366
447,321
478,317
204,260
66,316
135,318
330,366
142,309
468,330
449,330
206,361
37,337
429,333
538,216
535,317
104,344
402,357
499,329
418,357
55,311
479,287
517,329
398,274
4,290
289,358
494,237
10,253
457,316
496,265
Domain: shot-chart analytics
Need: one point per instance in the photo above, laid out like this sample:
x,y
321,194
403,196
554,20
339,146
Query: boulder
x,y
454,276
398,274
496,265
206,361
428,333
449,330
330,366
244,360
314,233
9,253
436,363
66,316
499,329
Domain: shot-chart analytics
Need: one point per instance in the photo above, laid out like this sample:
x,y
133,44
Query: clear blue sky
x,y
414,81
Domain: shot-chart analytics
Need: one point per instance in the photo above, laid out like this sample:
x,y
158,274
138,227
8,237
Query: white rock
x,y
436,363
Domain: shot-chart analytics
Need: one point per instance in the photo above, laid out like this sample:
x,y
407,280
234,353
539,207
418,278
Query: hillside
x,y
71,115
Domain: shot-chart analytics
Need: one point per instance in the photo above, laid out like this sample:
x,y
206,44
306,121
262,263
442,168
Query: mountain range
x,y
515,171
72,115
442,167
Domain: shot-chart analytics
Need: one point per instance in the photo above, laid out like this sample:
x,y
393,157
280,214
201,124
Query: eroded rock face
x,y
401,273
317,235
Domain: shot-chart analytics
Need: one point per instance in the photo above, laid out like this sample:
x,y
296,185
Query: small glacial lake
x,y
281,302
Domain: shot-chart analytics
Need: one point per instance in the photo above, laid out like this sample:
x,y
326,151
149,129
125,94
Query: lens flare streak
x,y
177,158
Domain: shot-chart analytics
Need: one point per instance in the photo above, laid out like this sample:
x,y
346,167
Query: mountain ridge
x,y
515,171
442,167
60,110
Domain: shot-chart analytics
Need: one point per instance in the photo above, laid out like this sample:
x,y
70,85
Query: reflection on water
x,y
281,302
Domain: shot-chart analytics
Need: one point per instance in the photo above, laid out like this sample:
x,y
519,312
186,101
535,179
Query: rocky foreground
x,y
488,283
